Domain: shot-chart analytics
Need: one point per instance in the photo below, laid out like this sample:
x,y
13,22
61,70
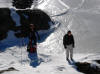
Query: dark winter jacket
x,y
67,40
33,35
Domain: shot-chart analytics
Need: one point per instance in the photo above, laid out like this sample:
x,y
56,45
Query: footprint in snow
x,y
60,68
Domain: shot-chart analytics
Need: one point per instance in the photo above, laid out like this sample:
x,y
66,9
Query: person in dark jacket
x,y
33,37
32,47
69,44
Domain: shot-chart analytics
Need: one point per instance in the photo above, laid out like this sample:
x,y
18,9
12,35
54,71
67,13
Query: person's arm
x,y
73,41
29,35
37,35
64,41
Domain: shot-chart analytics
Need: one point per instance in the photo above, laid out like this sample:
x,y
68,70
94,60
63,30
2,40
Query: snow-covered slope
x,y
5,3
81,16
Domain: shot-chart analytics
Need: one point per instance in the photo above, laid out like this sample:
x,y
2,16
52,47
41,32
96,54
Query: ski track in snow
x,y
80,5
65,12
44,4
61,2
41,1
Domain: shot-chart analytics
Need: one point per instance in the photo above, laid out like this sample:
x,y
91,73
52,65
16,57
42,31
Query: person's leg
x,y
71,52
33,59
67,53
35,41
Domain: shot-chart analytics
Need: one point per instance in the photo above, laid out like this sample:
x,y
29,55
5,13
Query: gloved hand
x,y
65,46
39,38
73,46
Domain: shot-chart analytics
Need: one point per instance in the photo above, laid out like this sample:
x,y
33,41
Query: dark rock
x,y
6,22
9,69
87,69
12,69
37,17
98,61
22,4
3,36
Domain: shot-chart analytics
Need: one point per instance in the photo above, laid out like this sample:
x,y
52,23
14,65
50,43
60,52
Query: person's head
x,y
69,33
32,26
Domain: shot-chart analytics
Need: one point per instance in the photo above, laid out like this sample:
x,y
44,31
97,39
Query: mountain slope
x,y
82,17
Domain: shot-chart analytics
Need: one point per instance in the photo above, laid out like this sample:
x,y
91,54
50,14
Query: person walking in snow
x,y
32,46
33,37
69,44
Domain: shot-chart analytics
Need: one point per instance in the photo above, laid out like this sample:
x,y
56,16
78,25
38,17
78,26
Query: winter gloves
x,y
73,45
65,46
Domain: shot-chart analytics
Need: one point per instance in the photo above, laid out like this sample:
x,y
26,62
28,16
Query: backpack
x,y
31,48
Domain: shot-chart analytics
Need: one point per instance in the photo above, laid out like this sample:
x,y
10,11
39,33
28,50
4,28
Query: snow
x,y
81,16
50,64
5,3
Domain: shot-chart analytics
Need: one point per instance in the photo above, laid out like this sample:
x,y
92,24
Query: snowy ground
x,y
50,63
81,16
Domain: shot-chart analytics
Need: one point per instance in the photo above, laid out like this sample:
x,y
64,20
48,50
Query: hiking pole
x,y
24,46
21,51
23,56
